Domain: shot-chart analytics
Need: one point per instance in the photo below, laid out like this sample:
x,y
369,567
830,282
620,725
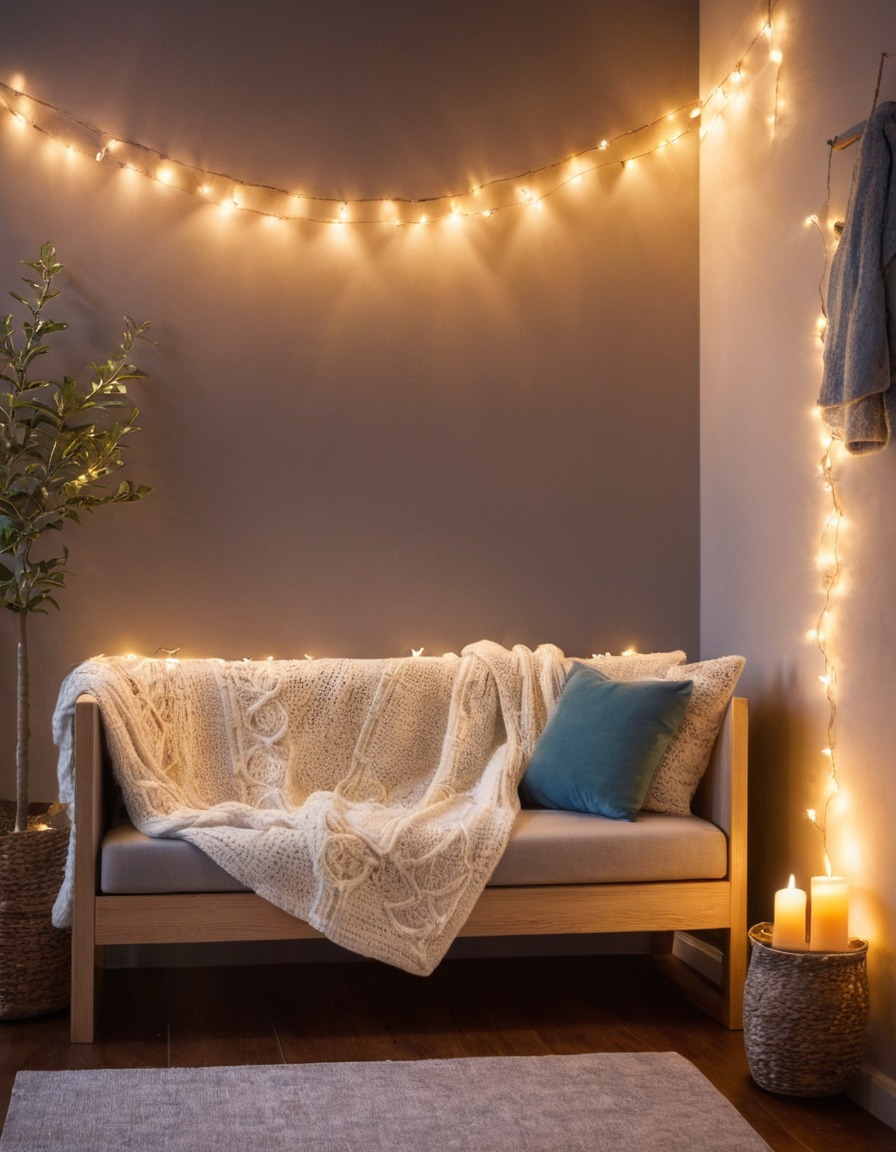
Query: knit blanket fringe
x,y
370,798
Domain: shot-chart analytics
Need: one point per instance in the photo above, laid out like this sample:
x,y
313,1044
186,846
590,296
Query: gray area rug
x,y
602,1101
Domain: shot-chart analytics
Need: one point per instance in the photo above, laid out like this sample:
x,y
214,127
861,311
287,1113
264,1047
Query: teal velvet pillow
x,y
602,743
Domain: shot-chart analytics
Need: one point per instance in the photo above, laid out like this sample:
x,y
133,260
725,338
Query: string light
x,y
80,136
830,567
829,551
266,200
730,88
829,563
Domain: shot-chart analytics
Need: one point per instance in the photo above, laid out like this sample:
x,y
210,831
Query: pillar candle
x,y
829,914
789,928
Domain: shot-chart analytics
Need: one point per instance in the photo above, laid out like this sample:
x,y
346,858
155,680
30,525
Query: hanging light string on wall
x,y
830,568
231,194
729,90
829,558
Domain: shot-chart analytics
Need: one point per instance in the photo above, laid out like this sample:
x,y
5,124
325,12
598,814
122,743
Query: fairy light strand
x,y
498,194
223,189
728,90
829,556
830,565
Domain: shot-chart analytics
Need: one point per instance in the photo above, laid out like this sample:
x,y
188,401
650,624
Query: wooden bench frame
x,y
501,911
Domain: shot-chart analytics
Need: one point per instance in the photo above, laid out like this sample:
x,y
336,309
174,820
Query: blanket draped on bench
x,y
370,798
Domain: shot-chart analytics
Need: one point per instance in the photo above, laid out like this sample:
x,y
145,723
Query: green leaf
x,y
60,441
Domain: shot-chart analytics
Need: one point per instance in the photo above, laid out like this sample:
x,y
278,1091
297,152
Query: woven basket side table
x,y
805,1016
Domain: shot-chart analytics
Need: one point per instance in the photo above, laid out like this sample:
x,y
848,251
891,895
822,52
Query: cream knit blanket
x,y
370,798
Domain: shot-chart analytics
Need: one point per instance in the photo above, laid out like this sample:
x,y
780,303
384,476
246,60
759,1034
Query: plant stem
x,y
22,726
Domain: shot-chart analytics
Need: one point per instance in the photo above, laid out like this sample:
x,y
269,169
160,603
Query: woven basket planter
x,y
35,957
805,1016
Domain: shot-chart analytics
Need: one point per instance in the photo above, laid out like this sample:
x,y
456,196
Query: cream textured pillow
x,y
638,666
684,761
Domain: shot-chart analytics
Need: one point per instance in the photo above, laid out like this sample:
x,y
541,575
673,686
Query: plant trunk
x,y
22,727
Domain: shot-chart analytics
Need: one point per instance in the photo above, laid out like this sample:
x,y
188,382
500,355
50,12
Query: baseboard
x,y
697,954
876,1093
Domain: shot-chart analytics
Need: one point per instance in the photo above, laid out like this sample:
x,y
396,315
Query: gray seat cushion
x,y
546,847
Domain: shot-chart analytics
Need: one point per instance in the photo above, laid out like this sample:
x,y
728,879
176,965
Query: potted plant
x,y
60,442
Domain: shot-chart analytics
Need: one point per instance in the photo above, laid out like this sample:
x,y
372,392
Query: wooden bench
x,y
101,919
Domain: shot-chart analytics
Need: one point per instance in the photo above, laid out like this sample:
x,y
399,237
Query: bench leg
x,y
87,964
735,975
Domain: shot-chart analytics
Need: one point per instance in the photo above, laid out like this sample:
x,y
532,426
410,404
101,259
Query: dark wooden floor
x,y
156,1017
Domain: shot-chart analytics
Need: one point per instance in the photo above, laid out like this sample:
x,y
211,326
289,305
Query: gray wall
x,y
763,501
367,439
